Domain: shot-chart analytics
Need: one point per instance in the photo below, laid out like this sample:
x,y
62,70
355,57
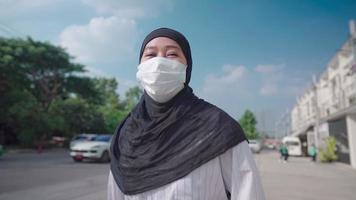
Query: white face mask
x,y
161,78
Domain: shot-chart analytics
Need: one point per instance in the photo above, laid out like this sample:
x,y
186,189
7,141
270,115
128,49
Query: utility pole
x,y
286,122
353,39
275,129
317,116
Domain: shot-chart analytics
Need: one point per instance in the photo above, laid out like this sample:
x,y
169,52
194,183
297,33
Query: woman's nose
x,y
161,54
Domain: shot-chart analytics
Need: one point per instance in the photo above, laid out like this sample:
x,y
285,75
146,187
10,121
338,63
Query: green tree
x,y
106,88
132,97
44,93
33,75
328,154
112,109
248,123
78,116
42,68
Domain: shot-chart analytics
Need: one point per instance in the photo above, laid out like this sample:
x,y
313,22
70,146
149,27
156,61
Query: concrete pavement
x,y
299,178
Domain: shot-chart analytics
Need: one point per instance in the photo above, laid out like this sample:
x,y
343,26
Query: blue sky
x,y
249,54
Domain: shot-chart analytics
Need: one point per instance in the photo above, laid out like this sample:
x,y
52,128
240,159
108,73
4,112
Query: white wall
x,y
351,131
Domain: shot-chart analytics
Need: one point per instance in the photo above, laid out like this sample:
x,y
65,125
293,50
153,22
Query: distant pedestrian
x,y
313,152
1,150
284,152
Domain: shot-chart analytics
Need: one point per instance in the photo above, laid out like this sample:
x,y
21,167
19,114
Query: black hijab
x,y
158,143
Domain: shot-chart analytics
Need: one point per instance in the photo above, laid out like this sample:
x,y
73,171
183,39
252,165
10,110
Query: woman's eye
x,y
172,55
150,55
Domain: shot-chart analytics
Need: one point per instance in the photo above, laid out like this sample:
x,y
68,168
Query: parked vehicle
x,y
95,149
80,138
58,141
255,146
293,144
272,143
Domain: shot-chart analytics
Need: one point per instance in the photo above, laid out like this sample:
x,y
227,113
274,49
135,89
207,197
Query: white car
x,y
255,146
81,137
95,149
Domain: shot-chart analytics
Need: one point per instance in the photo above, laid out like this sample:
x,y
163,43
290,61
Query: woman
x,y
313,152
174,145
284,152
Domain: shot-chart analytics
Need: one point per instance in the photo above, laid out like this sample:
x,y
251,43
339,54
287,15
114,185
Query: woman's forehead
x,y
162,42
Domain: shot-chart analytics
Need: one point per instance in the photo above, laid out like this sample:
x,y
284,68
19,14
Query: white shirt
x,y
235,171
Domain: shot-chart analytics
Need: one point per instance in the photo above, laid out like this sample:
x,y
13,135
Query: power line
x,y
9,31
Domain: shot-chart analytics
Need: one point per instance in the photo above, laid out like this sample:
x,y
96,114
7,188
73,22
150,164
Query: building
x,y
328,107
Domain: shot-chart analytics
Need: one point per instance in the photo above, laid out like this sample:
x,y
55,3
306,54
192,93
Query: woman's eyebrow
x,y
165,47
171,47
150,48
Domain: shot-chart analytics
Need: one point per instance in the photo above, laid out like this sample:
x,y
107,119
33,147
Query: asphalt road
x,y
54,176
51,176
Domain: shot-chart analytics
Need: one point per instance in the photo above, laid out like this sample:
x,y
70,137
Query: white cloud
x,y
94,72
102,40
268,68
130,8
15,7
230,77
268,89
264,89
109,39
239,83
232,73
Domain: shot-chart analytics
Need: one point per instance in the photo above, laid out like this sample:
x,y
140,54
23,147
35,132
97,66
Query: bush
x,y
328,154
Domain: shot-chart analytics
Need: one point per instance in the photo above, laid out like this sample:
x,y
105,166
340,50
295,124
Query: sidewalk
x,y
300,178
